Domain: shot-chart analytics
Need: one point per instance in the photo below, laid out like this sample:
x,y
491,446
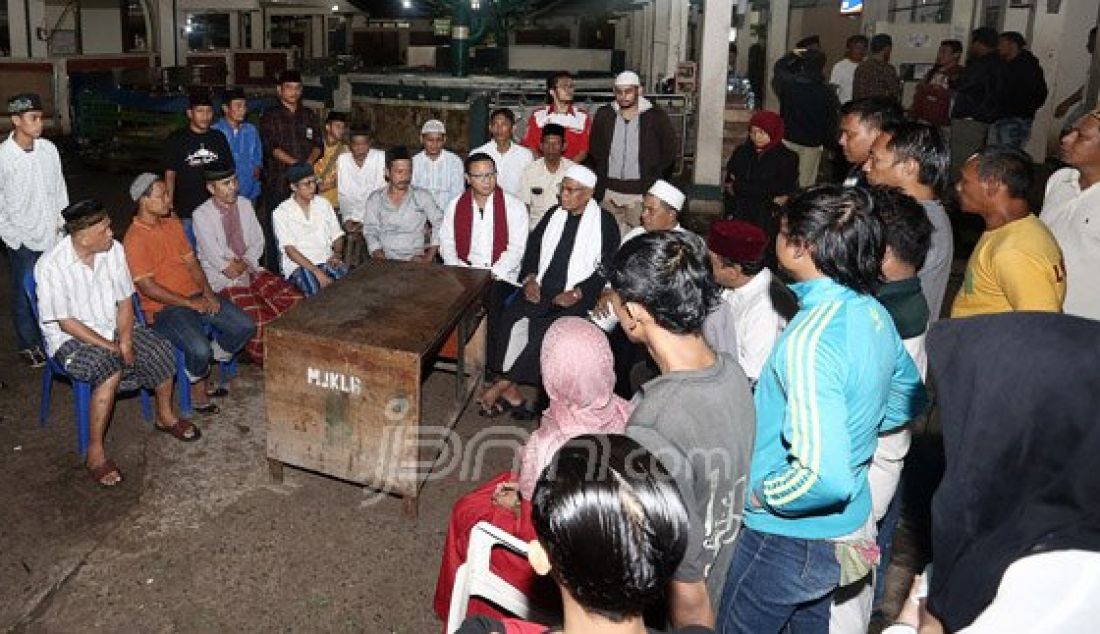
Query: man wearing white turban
x,y
559,277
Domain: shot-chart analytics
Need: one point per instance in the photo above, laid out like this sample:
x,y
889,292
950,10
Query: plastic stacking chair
x,y
226,369
475,579
82,390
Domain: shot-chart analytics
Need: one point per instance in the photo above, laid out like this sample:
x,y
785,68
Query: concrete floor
x,y
197,538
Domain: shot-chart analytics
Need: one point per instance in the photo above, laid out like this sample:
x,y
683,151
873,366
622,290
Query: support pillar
x,y
713,64
259,30
318,39
778,26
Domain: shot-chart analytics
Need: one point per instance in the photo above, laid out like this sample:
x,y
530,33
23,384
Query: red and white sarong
x,y
264,298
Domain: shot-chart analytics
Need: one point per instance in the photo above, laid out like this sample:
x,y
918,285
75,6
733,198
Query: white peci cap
x,y
582,175
628,78
433,126
668,193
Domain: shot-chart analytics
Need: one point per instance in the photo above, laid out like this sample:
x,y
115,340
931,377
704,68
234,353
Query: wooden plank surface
x,y
388,306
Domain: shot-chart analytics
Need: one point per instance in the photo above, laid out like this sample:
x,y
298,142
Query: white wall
x,y
100,27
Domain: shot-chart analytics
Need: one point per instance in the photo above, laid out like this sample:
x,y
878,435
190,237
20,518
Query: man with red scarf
x,y
486,228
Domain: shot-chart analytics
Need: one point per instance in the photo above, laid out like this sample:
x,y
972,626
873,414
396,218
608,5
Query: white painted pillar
x,y
168,27
648,35
234,29
637,40
713,64
17,29
678,35
661,42
777,45
319,36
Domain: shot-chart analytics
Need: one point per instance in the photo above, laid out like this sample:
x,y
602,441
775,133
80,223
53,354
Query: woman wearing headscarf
x,y
761,172
579,378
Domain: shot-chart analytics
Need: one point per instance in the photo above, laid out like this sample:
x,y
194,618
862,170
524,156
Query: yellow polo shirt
x,y
329,180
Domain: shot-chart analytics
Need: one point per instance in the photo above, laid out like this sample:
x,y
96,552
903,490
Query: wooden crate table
x,y
344,371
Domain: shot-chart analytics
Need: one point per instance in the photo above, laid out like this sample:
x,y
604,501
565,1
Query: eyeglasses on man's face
x,y
483,176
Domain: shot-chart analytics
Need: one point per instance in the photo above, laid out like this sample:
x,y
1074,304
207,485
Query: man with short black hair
x,y
844,71
576,122
1023,92
913,157
86,311
876,76
34,194
435,168
542,179
809,110
244,142
1016,264
187,153
861,121
510,157
291,134
399,215
837,377
977,95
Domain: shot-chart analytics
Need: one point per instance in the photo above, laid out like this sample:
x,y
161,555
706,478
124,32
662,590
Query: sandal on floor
x,y
526,410
181,429
217,392
498,408
205,408
100,473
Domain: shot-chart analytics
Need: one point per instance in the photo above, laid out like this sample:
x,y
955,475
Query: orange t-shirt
x,y
160,251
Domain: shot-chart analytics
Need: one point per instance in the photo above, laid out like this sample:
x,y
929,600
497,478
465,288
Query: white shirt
x,y
32,195
481,238
358,183
844,73
70,289
312,236
1073,216
758,324
443,176
510,165
537,177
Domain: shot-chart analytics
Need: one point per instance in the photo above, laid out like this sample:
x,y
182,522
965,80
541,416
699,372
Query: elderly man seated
x,y
86,314
398,216
559,277
308,234
175,293
230,242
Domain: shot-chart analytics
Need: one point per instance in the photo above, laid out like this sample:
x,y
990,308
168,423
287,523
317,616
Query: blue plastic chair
x,y
226,369
82,390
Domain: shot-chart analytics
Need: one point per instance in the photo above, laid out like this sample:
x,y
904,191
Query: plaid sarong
x,y
266,297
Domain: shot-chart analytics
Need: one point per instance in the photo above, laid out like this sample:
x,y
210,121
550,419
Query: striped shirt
x,y
70,289
444,177
837,378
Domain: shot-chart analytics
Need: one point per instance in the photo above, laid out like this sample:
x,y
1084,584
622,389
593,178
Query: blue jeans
x,y
188,330
189,230
307,282
1013,131
778,584
21,261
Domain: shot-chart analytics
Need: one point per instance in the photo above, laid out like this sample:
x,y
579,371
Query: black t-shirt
x,y
187,153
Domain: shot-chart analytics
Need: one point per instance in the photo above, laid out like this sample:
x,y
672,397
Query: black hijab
x,y
1019,398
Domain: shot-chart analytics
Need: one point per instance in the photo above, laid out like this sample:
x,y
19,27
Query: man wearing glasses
x,y
309,237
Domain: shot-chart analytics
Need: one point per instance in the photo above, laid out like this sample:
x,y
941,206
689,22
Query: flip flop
x,y
217,392
180,429
106,468
498,408
524,411
205,408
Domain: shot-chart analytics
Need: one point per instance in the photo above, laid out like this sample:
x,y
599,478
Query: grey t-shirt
x,y
701,424
937,264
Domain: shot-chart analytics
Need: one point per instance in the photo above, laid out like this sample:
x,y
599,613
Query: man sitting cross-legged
x,y
175,294
309,235
230,242
559,278
87,317
399,215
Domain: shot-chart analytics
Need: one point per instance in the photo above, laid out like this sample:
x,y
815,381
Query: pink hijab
x,y
579,376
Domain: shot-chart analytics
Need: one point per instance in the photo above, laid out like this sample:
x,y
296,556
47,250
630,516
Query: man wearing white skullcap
x,y
560,277
632,145
436,169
